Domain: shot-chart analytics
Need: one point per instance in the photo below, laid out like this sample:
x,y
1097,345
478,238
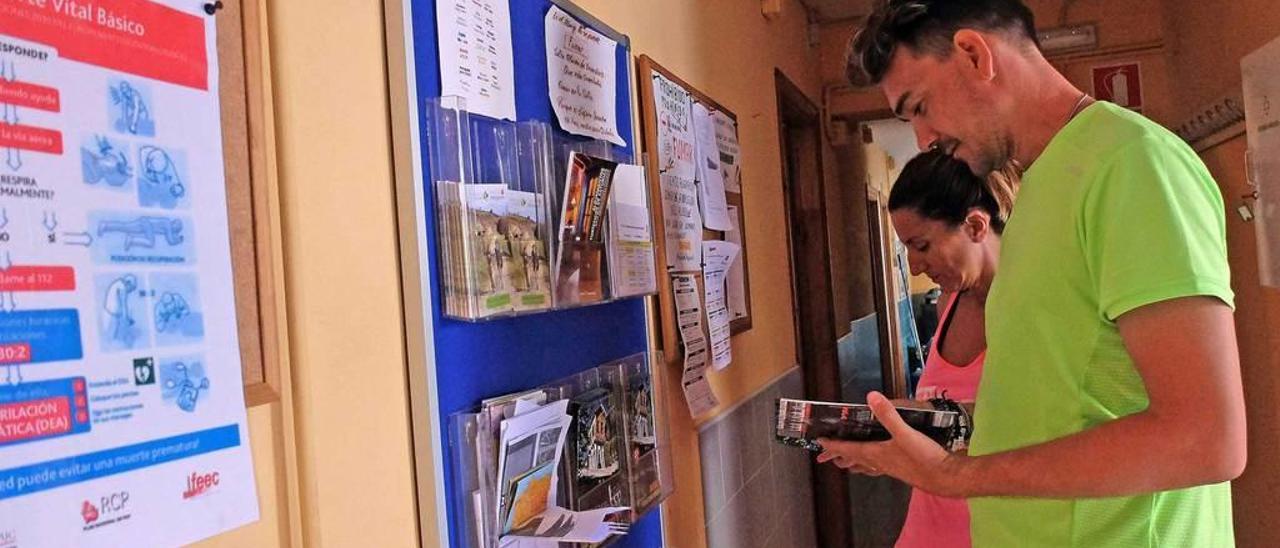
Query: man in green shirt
x,y
1110,412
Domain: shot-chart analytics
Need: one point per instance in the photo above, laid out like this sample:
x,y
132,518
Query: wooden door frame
x,y
893,377
800,133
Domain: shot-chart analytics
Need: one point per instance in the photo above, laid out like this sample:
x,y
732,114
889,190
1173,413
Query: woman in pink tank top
x,y
950,221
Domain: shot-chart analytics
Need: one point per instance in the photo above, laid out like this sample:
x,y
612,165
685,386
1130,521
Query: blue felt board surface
x,y
479,360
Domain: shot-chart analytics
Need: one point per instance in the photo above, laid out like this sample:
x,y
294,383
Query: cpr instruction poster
x,y
122,417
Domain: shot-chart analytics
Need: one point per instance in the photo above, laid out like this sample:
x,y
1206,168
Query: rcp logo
x,y
89,512
199,484
109,509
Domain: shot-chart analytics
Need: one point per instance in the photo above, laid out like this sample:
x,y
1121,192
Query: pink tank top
x,y
933,521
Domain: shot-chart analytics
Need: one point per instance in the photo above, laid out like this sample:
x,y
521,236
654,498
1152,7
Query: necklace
x,y
1079,106
1081,103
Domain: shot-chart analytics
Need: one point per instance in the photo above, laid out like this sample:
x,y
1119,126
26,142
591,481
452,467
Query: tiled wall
x,y
757,493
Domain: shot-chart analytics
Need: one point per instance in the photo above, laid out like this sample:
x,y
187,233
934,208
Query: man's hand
x,y
909,456
1192,432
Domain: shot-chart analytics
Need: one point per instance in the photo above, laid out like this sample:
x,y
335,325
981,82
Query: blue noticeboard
x,y
466,362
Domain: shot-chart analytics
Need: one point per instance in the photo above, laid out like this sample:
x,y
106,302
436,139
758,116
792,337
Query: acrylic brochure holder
x,y
616,452
491,231
521,215
648,437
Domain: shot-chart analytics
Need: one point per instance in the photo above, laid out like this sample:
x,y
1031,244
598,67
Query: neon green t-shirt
x,y
1116,213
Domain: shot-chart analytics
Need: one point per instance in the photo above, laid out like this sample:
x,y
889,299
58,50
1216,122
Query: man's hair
x,y
929,26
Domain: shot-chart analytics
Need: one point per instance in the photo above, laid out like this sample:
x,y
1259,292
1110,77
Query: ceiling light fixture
x,y
1068,39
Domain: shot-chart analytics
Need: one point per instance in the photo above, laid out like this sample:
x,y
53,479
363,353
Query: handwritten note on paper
x,y
710,180
730,153
475,55
582,77
677,168
683,230
675,128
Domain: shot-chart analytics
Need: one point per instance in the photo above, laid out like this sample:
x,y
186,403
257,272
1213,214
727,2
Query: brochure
x,y
801,423
579,265
528,269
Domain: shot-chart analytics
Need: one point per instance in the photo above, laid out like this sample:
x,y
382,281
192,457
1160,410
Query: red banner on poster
x,y
132,36
30,138
38,278
14,353
34,419
30,95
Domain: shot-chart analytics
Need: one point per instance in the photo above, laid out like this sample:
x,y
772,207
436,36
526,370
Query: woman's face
x,y
951,256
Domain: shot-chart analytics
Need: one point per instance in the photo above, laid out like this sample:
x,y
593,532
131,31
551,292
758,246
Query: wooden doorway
x,y
800,135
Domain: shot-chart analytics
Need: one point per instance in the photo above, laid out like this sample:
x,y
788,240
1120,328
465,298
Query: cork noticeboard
x,y
254,230
670,338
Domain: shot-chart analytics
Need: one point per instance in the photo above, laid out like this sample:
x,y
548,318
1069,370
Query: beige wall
x,y
1209,38
848,234
1128,31
848,230
342,274
333,458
